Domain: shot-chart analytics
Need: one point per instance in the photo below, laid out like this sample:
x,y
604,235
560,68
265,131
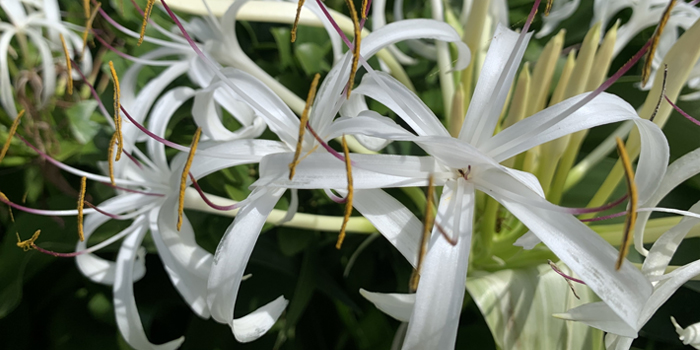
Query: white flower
x,y
689,335
471,162
29,20
238,242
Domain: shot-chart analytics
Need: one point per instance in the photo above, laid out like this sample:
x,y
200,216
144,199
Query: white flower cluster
x,y
493,158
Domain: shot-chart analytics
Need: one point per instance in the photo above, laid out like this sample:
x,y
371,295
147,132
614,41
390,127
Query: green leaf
x,y
304,289
81,126
293,241
283,37
312,58
518,307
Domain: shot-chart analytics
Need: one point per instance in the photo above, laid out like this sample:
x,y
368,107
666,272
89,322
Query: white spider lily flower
x,y
235,248
217,38
28,21
599,315
472,162
561,10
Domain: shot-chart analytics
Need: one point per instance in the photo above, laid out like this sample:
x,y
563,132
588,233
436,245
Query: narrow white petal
x,y
128,319
440,293
230,261
164,109
392,219
495,78
182,243
398,306
95,268
665,247
191,287
601,316
257,323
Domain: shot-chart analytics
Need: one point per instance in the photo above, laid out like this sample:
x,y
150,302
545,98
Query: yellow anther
x,y
631,217
10,134
364,9
146,15
296,20
661,95
88,26
183,178
81,204
28,244
86,8
646,70
348,198
358,39
302,125
110,158
548,7
69,67
117,115
427,228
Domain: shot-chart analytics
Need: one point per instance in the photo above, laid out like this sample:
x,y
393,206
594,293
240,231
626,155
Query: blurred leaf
x,y
79,115
293,241
311,57
283,39
306,284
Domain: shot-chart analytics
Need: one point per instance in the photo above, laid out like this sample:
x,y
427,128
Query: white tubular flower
x,y
28,21
471,162
655,267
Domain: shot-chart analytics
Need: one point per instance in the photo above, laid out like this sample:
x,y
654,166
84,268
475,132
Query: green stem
x,y
300,220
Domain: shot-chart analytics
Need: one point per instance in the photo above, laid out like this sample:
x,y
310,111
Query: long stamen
x,y
296,20
183,178
427,226
567,278
10,134
661,96
646,70
632,207
146,15
209,202
302,124
364,9
88,26
69,68
28,244
682,112
356,49
348,198
117,107
81,203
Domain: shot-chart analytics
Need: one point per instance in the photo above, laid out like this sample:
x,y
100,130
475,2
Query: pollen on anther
x,y
548,7
356,49
117,115
302,125
300,4
348,198
110,158
183,178
146,15
88,26
10,134
631,217
86,8
81,204
28,244
69,67
646,70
